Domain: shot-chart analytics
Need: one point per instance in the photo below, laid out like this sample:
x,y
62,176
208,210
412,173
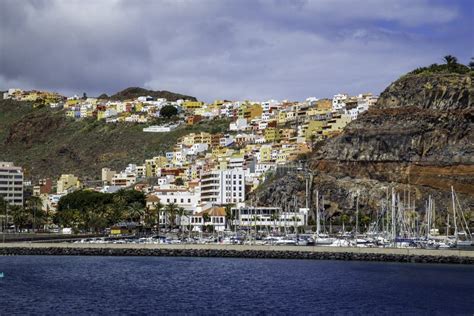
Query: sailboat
x,y
462,238
320,238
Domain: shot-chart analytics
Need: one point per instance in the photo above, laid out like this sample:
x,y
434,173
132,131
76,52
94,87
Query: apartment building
x,y
11,183
223,186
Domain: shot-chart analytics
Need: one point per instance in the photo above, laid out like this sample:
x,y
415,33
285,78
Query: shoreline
x,y
242,251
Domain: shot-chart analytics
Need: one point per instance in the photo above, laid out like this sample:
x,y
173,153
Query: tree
x,y
84,96
471,63
136,211
19,216
150,217
181,213
158,209
3,211
168,111
450,60
344,219
34,207
170,211
229,216
206,218
94,219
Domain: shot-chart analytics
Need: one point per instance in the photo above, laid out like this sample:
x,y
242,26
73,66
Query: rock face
x,y
419,138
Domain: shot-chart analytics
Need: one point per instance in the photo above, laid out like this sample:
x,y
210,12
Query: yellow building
x,y
154,165
265,153
281,117
66,183
271,134
250,111
192,104
313,128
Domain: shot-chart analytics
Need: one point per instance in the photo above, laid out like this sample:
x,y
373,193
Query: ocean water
x,y
154,285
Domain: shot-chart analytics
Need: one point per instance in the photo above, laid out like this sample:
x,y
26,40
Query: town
x,y
205,173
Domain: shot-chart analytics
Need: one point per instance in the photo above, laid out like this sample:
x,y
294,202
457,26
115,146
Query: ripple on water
x,y
144,285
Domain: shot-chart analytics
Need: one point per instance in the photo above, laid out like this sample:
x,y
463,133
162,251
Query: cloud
x,y
223,49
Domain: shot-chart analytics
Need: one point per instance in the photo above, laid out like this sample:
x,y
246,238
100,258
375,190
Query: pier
x,y
243,251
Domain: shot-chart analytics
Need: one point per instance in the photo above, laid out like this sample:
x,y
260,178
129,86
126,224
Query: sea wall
x,y
235,251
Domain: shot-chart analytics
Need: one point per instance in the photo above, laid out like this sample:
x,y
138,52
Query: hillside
x,y
135,92
46,143
419,138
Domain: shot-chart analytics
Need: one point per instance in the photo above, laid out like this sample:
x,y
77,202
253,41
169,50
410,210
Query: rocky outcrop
x,y
419,138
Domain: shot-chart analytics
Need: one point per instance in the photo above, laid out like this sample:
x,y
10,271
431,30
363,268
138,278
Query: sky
x,y
227,49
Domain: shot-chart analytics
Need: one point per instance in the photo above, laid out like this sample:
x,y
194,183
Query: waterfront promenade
x,y
242,251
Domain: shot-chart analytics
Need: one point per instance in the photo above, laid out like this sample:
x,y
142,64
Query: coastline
x,y
242,251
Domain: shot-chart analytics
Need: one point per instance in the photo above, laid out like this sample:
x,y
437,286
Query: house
x,y
67,183
124,229
214,218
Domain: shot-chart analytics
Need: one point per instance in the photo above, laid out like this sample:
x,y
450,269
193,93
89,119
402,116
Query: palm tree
x,y
3,212
19,216
94,219
450,60
344,219
150,217
170,211
158,209
34,205
205,218
136,211
229,216
181,213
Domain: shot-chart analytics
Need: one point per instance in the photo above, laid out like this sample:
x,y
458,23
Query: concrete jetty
x,y
242,251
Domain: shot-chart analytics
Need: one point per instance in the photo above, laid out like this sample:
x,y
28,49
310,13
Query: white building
x,y
188,199
225,141
247,217
11,183
124,179
223,186
338,102
159,129
239,125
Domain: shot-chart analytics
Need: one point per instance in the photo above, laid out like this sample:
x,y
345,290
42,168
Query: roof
x,y
152,198
213,211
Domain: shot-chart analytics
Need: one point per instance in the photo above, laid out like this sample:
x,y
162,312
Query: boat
x,y
285,242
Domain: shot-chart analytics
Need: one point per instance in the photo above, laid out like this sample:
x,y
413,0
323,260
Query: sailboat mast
x,y
318,227
454,216
393,217
357,214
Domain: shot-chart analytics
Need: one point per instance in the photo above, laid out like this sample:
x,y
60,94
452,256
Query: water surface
x,y
146,285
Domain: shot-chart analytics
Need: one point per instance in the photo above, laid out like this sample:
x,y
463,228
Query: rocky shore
x,y
313,253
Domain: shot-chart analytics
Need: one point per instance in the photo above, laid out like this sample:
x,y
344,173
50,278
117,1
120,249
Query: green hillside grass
x,y
46,143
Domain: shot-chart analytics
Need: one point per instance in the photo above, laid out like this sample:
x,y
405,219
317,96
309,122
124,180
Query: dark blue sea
x,y
154,285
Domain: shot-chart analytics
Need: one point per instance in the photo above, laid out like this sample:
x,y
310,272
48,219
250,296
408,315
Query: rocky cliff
x,y
418,139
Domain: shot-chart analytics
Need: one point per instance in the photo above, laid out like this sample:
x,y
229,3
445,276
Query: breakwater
x,y
239,251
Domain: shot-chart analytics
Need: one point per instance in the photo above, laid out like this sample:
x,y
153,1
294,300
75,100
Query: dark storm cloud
x,y
223,49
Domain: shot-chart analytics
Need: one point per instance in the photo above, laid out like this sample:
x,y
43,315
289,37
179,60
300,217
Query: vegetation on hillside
x,y
451,66
46,143
135,92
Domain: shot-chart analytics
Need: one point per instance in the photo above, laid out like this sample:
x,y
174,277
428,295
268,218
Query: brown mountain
x,y
418,139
